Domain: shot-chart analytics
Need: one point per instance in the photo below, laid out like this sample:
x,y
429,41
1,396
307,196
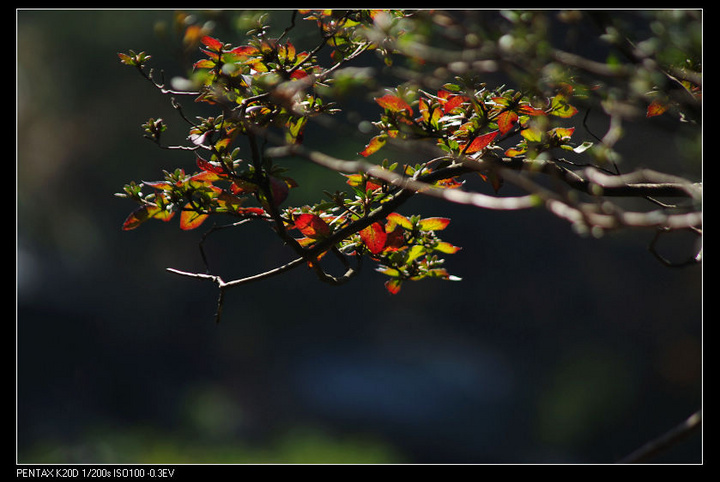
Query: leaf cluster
x,y
265,91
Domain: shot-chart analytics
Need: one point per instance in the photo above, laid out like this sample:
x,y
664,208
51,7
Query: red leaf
x,y
280,190
530,110
481,142
374,237
454,102
212,43
395,239
256,211
393,103
393,286
299,74
208,166
312,226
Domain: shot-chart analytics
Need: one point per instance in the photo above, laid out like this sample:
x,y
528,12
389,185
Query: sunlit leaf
x,y
208,166
203,179
414,253
398,219
527,109
559,107
312,226
204,64
454,102
229,202
126,59
532,134
451,183
656,108
374,237
162,185
374,145
480,142
562,132
244,51
139,216
393,285
424,110
392,272
433,224
506,120
393,103
255,211
191,219
362,182
212,43
447,248
516,151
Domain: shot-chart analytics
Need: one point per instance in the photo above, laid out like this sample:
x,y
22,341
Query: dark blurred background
x,y
555,348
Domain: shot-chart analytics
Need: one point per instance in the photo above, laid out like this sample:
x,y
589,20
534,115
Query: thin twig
x,y
667,440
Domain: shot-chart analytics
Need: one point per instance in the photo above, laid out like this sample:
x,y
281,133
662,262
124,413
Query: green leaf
x,y
414,253
532,134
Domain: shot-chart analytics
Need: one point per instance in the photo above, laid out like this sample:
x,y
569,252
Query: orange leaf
x,y
374,145
190,219
374,237
656,108
506,120
393,103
